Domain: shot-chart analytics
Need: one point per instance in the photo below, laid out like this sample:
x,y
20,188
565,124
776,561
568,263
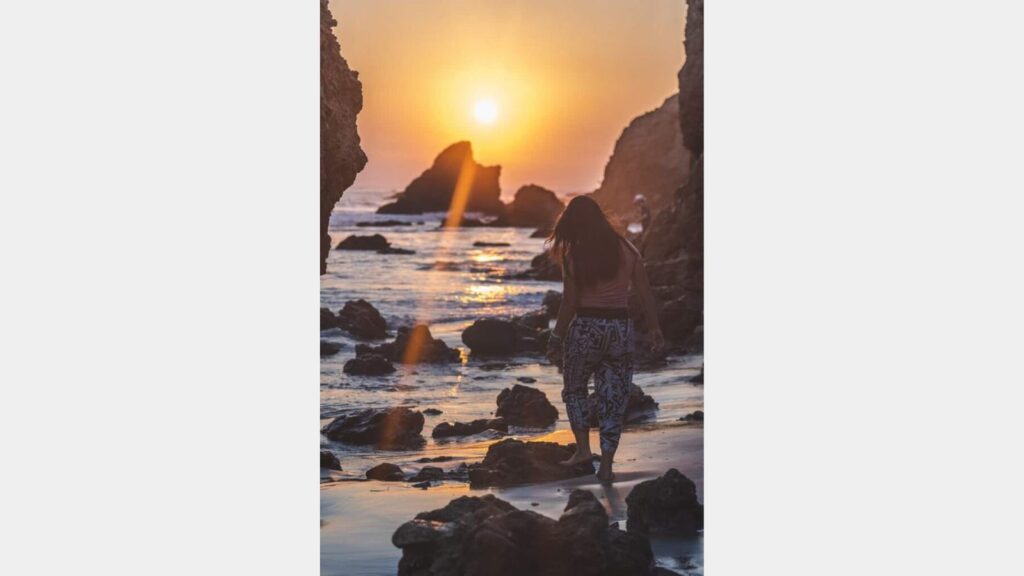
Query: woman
x,y
598,267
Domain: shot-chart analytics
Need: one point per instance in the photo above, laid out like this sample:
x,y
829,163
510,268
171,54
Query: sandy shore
x,y
358,518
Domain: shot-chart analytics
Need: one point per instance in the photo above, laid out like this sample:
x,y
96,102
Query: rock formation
x,y
648,159
525,406
534,207
512,462
495,336
387,428
432,191
478,536
412,346
666,505
674,247
341,99
358,317
448,429
329,460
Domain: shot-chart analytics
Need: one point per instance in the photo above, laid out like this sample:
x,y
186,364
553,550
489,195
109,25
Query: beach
x,y
449,282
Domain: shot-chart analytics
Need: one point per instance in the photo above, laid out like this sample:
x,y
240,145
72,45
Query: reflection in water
x,y
486,257
483,293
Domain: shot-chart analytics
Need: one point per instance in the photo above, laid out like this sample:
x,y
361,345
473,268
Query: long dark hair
x,y
585,243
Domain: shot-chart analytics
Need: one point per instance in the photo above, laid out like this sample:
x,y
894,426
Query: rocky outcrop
x,y
328,348
666,505
358,317
386,472
674,247
412,346
525,406
432,191
329,461
368,365
341,99
387,428
488,536
446,430
495,336
648,159
639,407
694,417
512,461
534,207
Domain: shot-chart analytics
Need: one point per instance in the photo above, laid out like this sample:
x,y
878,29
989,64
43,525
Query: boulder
x,y
328,348
386,472
387,428
666,505
542,267
510,462
534,207
525,406
428,474
496,336
446,430
360,319
411,346
432,411
696,416
639,406
432,190
368,365
354,242
329,460
341,99
482,244
488,536
534,320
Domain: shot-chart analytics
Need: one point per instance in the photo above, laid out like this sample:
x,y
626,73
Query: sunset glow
x,y
542,88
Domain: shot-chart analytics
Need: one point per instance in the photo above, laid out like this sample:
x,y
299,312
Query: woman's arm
x,y
643,288
568,307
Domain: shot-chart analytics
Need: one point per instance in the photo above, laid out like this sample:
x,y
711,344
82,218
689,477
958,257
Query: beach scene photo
x,y
511,288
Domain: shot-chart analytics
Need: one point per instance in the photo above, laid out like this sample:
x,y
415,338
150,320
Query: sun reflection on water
x,y
483,293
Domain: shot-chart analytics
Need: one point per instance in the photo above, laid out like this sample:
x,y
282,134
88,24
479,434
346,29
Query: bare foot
x,y
577,458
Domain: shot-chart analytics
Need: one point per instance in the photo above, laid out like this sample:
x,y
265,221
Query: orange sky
x,y
566,75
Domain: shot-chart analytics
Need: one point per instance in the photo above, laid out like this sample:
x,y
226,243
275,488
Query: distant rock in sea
x,y
534,207
354,242
341,99
432,191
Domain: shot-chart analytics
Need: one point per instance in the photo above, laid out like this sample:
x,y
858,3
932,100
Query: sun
x,y
485,111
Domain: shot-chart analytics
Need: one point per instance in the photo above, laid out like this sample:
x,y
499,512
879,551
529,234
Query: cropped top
x,y
614,292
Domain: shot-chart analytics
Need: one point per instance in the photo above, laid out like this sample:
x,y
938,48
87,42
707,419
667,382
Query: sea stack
x,y
341,99
433,190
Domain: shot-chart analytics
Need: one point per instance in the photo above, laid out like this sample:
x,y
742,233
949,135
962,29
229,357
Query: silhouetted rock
x,y
328,348
341,99
525,406
386,472
488,536
534,207
383,224
526,379
665,505
639,406
329,460
428,474
387,428
359,318
393,250
446,430
542,267
368,365
534,320
412,346
482,244
432,191
354,242
495,336
432,411
649,159
512,461
696,416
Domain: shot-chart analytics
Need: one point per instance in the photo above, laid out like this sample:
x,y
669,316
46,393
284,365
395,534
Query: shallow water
x,y
448,284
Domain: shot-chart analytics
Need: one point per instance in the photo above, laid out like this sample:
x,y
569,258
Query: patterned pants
x,y
602,347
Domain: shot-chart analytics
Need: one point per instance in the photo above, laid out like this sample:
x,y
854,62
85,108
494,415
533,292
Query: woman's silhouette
x,y
598,268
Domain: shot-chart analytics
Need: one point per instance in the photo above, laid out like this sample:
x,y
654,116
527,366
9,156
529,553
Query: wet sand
x,y
358,518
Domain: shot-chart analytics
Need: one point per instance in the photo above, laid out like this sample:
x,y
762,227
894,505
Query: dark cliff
x,y
674,249
341,99
648,159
